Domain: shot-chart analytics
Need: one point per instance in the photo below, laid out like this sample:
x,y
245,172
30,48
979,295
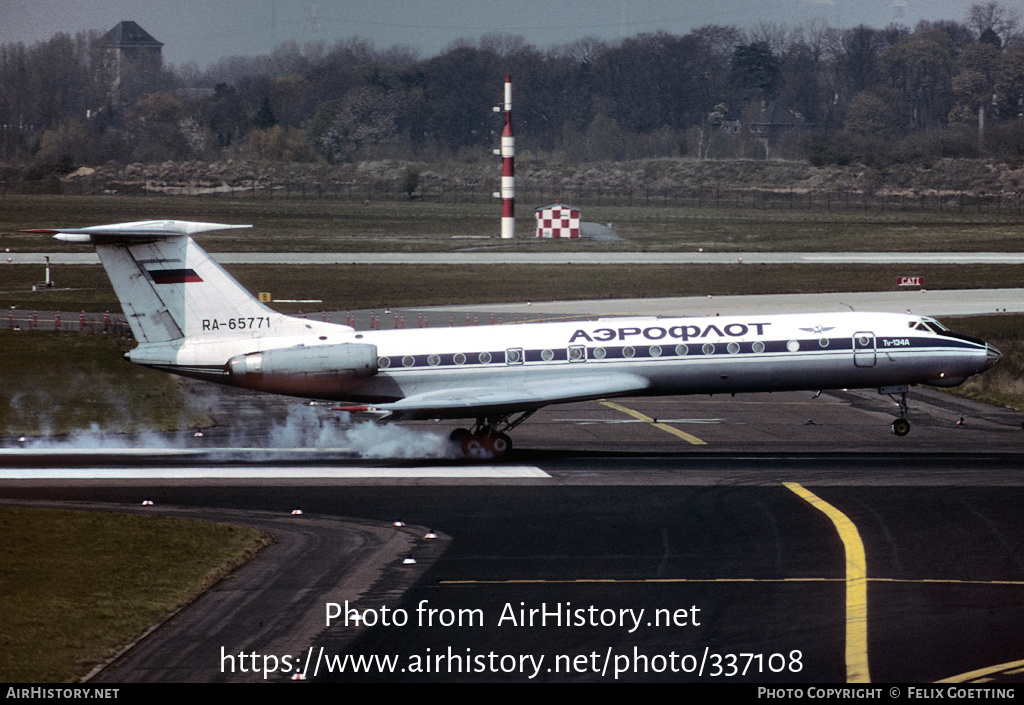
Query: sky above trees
x,y
203,32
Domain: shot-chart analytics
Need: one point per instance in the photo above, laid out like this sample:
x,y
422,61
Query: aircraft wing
x,y
468,402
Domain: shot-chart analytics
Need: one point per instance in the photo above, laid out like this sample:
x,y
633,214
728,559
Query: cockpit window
x,y
928,324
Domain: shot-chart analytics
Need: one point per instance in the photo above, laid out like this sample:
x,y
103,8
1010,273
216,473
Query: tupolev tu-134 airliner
x,y
190,317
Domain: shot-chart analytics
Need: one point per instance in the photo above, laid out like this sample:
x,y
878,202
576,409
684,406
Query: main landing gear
x,y
900,425
487,441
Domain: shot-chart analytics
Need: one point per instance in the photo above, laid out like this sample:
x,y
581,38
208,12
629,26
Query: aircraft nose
x,y
992,355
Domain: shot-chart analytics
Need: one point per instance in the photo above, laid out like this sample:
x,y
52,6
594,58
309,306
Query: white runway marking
x,y
70,450
271,472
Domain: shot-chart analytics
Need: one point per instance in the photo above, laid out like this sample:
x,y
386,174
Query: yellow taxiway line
x,y
856,585
664,427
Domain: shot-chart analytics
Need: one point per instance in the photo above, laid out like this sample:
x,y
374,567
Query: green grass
x,y
306,225
1003,385
294,225
56,383
816,230
76,586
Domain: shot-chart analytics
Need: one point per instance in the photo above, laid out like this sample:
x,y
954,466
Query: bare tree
x,y
772,34
993,16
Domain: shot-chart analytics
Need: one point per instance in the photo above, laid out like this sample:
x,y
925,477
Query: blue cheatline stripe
x,y
668,351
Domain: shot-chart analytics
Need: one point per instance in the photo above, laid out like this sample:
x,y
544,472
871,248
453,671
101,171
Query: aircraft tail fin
x,y
171,289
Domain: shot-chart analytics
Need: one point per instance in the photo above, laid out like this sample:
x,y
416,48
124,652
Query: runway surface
x,y
766,538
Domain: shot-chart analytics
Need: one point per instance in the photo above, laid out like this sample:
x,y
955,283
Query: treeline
x,y
945,89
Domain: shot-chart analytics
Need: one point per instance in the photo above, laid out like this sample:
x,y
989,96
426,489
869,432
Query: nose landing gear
x,y
900,425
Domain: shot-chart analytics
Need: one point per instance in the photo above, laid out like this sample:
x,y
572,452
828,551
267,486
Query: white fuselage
x,y
670,355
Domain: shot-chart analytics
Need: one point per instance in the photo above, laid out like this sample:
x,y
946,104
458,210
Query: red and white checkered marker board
x,y
558,221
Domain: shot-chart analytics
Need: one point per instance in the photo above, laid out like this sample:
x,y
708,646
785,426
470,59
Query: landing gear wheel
x,y
473,447
480,447
488,440
499,444
901,427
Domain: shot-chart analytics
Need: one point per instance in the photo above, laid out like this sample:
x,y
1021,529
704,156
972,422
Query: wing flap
x,y
468,402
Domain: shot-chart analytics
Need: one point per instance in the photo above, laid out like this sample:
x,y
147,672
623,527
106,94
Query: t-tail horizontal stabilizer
x,y
172,291
135,231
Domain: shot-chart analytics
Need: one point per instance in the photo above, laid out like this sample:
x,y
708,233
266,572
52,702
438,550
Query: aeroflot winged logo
x,y
174,276
733,330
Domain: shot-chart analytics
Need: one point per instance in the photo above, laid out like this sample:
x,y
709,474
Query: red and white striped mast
x,y
508,168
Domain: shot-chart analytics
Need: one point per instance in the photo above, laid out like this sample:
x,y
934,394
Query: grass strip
x,y
1003,385
57,383
329,225
77,586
